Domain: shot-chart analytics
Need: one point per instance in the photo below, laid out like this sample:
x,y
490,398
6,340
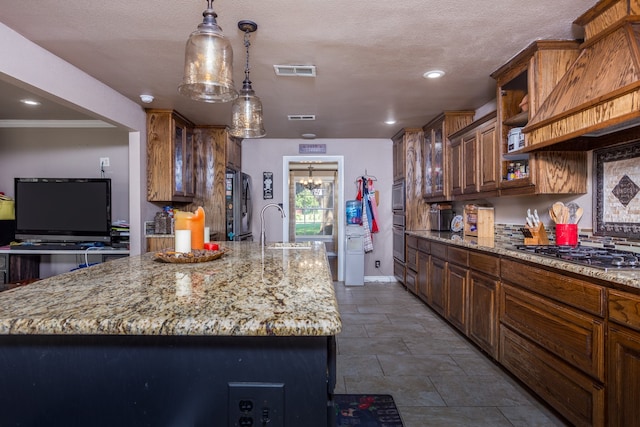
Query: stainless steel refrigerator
x,y
239,207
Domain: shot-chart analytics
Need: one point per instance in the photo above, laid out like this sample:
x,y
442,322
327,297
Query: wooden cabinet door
x,y
398,159
234,153
483,311
170,157
456,301
489,152
411,280
623,373
575,395
470,168
572,335
456,169
438,285
423,276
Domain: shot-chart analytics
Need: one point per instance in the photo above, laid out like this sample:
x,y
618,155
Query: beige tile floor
x,y
392,343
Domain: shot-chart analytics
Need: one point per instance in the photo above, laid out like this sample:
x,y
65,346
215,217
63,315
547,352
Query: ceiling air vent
x,y
295,70
301,116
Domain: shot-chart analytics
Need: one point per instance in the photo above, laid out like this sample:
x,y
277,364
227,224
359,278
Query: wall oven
x,y
397,196
398,236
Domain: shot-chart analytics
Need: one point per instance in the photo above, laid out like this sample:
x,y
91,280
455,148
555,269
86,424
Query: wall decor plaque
x,y
616,183
267,185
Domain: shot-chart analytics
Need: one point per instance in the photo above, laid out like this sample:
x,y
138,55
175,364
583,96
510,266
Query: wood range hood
x,y
599,96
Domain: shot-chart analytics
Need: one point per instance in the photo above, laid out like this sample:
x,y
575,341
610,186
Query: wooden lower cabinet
x,y
483,311
623,359
571,335
550,344
411,280
572,340
423,276
438,285
457,304
155,244
576,396
398,270
623,386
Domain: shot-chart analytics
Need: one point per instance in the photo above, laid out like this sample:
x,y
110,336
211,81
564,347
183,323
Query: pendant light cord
x,y
246,45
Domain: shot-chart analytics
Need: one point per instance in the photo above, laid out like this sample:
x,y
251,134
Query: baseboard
x,y
379,279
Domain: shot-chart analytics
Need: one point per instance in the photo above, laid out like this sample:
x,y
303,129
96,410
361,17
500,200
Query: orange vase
x,y
194,222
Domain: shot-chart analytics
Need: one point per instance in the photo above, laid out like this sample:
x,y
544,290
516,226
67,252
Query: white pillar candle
x,y
207,234
183,241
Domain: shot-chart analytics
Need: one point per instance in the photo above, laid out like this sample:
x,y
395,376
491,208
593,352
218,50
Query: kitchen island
x,y
242,339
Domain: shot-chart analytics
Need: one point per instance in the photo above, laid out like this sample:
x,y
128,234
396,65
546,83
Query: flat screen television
x,y
63,209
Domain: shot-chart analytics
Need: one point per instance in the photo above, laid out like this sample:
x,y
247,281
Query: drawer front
x,y
439,250
487,264
424,246
458,256
398,270
412,242
624,308
576,293
412,259
575,337
574,395
410,281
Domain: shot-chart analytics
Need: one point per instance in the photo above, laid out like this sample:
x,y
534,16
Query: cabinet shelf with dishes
x,y
522,86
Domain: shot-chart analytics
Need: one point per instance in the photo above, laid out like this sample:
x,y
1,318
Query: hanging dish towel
x,y
373,206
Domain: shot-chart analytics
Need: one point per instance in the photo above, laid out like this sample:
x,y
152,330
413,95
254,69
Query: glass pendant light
x,y
246,111
208,63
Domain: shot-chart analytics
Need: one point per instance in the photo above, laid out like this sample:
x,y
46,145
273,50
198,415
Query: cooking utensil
x,y
572,208
579,213
558,211
536,218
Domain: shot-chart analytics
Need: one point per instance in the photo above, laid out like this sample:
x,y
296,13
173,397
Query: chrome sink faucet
x,y
262,231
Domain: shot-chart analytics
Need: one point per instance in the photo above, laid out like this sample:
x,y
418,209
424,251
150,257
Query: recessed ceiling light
x,y
147,99
30,102
390,122
433,74
309,135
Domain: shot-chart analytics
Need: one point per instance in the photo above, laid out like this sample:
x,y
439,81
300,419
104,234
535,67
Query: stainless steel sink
x,y
287,245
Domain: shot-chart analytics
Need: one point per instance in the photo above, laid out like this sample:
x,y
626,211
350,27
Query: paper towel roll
x,y
183,241
207,234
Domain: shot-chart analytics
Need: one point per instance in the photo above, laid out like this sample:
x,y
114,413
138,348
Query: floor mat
x,y
366,410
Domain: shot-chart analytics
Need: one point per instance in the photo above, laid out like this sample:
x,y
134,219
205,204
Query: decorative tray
x,y
171,256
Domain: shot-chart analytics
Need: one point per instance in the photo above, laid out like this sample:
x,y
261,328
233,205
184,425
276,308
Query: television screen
x,y
63,209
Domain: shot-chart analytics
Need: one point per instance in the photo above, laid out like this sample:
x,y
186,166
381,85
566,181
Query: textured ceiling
x,y
370,55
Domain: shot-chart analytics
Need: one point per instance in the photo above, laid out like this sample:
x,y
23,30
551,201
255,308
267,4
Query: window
x,y
314,208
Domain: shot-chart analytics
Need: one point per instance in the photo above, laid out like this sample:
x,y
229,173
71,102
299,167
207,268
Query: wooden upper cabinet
x,y
407,152
398,159
533,73
170,157
473,159
234,153
435,153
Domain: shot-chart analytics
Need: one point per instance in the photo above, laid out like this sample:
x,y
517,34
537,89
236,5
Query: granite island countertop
x,y
626,278
250,291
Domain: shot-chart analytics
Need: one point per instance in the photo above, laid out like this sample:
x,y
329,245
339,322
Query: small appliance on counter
x,y
478,221
440,216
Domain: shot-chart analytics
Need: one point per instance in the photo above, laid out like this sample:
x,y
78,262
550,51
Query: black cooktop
x,y
608,259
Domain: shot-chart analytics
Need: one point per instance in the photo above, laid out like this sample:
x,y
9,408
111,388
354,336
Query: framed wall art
x,y
616,184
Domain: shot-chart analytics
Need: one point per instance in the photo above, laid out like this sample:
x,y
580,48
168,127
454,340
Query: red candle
x,y
211,246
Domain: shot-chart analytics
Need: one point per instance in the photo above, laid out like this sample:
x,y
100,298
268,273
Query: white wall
x,y
67,153
360,155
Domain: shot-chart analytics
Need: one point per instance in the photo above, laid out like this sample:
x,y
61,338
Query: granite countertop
x,y
626,278
250,291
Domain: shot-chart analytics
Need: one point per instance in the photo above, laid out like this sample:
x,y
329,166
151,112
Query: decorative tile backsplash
x,y
510,233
